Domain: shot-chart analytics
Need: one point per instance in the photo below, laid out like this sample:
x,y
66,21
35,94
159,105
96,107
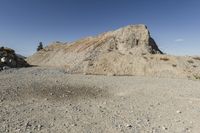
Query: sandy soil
x,y
48,100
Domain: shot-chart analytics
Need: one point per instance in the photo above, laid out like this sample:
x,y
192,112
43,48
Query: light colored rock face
x,y
135,39
127,51
131,37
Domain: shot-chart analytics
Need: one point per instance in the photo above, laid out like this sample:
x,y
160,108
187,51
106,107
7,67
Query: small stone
x,y
3,59
187,129
39,127
164,128
151,105
178,112
5,67
18,130
52,124
120,126
177,120
74,125
129,126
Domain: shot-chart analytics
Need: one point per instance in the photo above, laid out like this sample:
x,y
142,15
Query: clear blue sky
x,y
174,24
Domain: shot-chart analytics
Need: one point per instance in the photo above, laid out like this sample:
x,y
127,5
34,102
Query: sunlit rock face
x,y
136,39
129,50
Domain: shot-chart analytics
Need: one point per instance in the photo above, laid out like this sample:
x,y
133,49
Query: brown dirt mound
x,y
127,51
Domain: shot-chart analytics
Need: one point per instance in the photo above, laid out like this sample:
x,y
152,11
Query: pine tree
x,y
40,46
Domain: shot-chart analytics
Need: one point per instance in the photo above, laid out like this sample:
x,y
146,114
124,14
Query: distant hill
x,y
127,51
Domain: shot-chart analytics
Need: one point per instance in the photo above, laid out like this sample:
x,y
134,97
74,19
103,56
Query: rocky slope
x,y
127,51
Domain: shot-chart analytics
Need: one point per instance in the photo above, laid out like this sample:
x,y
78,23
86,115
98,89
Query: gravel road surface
x,y
47,100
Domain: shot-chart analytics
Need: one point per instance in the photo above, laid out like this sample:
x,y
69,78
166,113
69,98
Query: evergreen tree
x,y
40,46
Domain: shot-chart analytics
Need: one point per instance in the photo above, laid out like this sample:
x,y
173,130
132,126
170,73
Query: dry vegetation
x,y
197,77
174,65
190,61
164,58
196,58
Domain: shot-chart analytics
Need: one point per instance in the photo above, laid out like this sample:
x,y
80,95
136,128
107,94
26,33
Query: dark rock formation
x,y
8,59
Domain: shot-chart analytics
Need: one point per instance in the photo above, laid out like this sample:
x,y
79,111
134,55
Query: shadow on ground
x,y
56,93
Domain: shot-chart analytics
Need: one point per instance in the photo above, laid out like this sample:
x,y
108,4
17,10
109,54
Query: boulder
x,y
8,59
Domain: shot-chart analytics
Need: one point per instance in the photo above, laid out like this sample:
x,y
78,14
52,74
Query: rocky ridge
x,y
127,51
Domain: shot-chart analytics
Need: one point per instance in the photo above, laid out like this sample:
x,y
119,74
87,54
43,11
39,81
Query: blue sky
x,y
174,24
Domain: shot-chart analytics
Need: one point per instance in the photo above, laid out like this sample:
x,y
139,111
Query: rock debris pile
x,y
9,59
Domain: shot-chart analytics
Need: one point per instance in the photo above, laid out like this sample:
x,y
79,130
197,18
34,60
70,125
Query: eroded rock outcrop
x,y
135,39
8,59
127,51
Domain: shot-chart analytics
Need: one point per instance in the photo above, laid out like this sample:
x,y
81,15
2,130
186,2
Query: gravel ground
x,y
48,100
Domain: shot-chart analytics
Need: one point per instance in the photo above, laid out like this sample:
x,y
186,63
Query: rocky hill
x,y
127,51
